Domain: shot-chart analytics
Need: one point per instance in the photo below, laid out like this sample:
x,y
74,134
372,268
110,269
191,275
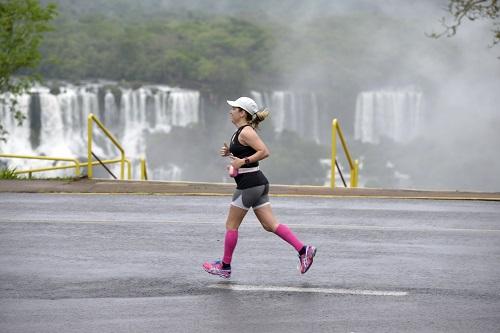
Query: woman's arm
x,y
249,137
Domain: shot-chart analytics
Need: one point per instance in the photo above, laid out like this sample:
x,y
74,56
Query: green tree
x,y
22,24
199,52
471,10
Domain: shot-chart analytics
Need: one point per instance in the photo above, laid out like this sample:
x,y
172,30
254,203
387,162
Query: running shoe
x,y
306,259
215,268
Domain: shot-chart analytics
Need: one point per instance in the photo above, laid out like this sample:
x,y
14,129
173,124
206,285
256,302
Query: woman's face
x,y
236,114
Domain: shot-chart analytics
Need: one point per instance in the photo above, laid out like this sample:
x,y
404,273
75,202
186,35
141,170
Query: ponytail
x,y
258,117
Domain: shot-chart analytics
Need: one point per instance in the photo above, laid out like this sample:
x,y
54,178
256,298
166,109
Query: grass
x,y
8,173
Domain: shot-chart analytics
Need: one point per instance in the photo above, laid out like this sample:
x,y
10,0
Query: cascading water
x,y
130,114
394,114
21,133
297,112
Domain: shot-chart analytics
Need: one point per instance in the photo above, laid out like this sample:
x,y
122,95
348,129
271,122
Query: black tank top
x,y
250,179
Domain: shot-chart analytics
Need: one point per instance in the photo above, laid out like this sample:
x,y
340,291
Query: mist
x,y
457,147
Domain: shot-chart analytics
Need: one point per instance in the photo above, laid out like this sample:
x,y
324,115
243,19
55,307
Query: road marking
x,y
255,225
382,228
285,195
237,287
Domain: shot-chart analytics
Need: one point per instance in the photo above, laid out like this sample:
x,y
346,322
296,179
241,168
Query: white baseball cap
x,y
246,103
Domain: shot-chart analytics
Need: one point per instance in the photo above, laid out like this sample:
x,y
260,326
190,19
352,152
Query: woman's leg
x,y
266,218
306,253
234,219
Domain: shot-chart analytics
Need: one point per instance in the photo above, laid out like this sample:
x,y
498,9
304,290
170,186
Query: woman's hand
x,y
236,162
224,151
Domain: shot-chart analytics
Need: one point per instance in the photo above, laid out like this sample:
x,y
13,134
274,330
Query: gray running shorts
x,y
254,197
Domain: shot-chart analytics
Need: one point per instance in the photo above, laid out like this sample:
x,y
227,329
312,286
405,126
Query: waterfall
x,y
291,111
184,107
394,114
52,138
130,114
21,133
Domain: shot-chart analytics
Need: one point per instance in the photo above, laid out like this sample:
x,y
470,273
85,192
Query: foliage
x,y
233,49
7,173
22,24
472,10
205,53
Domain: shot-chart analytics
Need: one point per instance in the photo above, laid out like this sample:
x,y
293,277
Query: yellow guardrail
x,y
354,165
72,166
144,170
129,168
90,163
77,164
90,120
49,158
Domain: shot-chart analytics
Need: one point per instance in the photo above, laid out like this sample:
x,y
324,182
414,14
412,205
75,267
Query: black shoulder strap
x,y
237,133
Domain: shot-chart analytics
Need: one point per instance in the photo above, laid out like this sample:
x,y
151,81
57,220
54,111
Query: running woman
x,y
246,150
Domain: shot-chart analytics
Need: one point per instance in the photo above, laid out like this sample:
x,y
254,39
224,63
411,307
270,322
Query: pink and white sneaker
x,y
215,268
306,259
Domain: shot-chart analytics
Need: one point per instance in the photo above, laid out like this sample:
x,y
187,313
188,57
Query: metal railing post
x,y
89,146
354,165
334,153
129,169
144,170
354,174
92,118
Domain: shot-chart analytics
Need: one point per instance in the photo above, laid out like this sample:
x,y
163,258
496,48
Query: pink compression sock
x,y
229,245
284,232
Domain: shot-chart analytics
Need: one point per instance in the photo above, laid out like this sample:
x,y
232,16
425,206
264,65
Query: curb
x,y
105,186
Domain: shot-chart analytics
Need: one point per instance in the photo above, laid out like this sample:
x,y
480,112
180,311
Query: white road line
x,y
250,288
256,225
383,228
291,195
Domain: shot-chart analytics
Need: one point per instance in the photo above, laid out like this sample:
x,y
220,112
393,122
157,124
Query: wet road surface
x,y
132,263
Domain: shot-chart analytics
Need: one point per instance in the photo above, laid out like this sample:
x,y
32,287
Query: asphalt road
x,y
132,263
